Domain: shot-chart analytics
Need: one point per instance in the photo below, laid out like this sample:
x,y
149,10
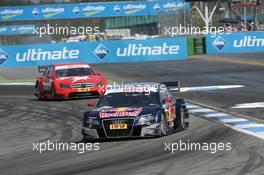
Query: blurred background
x,y
240,15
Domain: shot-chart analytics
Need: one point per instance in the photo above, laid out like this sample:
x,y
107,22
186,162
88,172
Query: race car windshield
x,y
70,72
130,99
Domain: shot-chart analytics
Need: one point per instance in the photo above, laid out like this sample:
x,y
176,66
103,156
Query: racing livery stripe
x,y
237,123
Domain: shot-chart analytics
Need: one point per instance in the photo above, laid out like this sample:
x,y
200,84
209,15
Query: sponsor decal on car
x,y
131,89
84,89
119,114
122,109
171,113
118,126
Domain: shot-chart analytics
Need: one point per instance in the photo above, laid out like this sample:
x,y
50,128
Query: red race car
x,y
71,80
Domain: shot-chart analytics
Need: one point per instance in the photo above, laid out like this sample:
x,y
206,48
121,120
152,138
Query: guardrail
x,y
236,42
90,10
157,49
17,30
94,52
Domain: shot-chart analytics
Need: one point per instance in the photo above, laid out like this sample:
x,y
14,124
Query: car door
x,y
48,79
169,106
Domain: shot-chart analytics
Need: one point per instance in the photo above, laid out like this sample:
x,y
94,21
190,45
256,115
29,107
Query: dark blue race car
x,y
135,110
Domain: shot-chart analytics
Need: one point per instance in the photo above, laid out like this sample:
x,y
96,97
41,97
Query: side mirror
x,y
90,103
168,100
98,73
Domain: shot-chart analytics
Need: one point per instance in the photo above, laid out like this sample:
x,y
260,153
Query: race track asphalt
x,y
24,121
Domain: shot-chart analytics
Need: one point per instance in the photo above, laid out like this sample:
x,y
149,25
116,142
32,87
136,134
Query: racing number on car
x,y
118,126
83,89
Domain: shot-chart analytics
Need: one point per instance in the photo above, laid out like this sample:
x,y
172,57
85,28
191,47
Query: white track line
x,y
249,105
258,134
193,106
201,110
250,125
216,115
261,133
233,120
208,88
247,127
18,84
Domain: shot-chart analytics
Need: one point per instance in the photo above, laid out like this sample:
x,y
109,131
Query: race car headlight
x,y
146,119
62,85
92,121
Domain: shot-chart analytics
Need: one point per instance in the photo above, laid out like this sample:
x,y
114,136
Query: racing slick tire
x,y
38,93
163,125
182,120
53,93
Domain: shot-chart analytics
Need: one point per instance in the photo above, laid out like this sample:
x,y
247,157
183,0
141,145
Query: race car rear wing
x,y
173,85
42,69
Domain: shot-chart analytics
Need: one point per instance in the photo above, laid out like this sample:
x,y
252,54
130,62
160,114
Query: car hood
x,y
131,112
81,79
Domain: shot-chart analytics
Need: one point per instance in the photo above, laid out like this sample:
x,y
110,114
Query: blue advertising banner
x,y
94,52
90,10
236,42
17,30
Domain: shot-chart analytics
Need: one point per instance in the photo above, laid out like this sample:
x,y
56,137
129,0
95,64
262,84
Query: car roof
x,y
138,84
143,83
68,64
71,65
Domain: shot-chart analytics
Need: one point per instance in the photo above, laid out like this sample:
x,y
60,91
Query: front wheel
x,y
38,93
163,125
53,92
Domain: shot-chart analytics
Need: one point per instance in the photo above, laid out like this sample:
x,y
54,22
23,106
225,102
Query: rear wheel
x,y
182,115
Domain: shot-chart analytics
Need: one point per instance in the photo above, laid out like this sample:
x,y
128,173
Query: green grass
x,y
110,81
2,78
